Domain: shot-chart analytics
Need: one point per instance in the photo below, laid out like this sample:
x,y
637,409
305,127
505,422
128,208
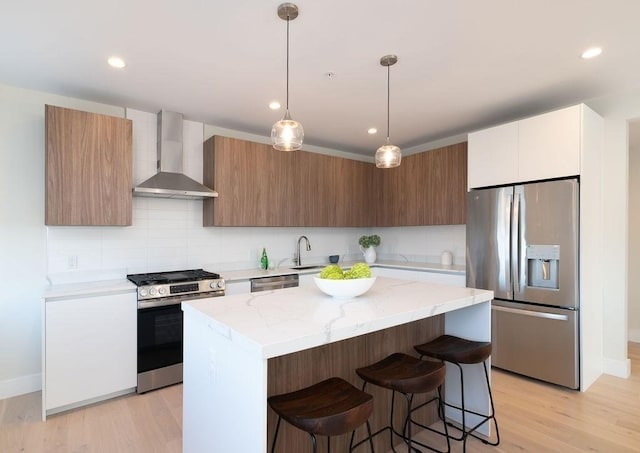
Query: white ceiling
x,y
463,64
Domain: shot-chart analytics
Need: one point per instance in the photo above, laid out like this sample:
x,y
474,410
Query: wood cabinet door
x,y
354,193
88,168
428,188
444,186
549,145
252,181
259,186
493,156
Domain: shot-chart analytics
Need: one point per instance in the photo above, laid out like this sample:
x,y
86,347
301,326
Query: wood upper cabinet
x,y
88,168
428,188
251,180
259,186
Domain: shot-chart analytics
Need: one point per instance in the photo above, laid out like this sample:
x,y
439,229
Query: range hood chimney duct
x,y
170,182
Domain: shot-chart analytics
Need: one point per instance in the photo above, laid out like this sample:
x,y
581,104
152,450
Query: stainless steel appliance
x,y
522,243
160,321
274,282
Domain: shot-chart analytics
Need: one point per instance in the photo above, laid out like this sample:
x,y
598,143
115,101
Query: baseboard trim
x,y
20,385
618,368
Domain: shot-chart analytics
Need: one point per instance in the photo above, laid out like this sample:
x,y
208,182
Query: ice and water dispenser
x,y
542,266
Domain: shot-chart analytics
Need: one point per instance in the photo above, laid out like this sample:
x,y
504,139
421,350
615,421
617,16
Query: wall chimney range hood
x,y
170,182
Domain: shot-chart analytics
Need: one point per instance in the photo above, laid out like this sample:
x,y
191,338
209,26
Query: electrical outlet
x,y
72,262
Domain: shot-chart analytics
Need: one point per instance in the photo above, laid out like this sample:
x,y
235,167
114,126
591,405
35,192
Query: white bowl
x,y
344,289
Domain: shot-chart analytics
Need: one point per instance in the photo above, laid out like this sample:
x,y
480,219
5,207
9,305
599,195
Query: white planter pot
x,y
369,255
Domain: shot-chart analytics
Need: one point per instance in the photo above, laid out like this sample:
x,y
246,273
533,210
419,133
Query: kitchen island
x,y
240,349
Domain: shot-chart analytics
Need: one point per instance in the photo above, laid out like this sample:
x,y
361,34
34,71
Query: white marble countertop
x,y
88,289
247,274
274,323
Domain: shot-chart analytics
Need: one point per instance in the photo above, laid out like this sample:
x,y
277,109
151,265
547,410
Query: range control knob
x,y
162,291
217,284
152,291
143,292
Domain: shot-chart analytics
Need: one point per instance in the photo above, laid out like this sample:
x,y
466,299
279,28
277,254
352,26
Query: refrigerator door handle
x,y
509,263
515,243
534,314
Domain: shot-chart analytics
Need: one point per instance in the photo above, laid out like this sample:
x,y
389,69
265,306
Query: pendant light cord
x,y
287,63
388,98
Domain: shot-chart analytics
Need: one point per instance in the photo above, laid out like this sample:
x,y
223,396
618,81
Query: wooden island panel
x,y
301,369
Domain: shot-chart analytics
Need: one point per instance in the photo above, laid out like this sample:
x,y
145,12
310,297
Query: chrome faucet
x,y
298,261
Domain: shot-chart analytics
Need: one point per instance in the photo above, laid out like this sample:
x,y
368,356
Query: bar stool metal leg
x,y
485,417
408,375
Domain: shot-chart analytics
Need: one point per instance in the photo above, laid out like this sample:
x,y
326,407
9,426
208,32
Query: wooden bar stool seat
x,y
408,375
459,351
328,408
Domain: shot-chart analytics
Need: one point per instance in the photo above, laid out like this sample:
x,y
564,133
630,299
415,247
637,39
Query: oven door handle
x,y
142,304
176,300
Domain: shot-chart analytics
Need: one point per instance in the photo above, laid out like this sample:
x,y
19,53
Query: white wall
x,y
166,234
634,232
22,231
617,111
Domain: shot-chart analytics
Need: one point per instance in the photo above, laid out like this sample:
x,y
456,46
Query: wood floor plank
x,y
533,417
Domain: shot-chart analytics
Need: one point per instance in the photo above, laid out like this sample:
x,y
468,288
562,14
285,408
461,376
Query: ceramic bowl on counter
x,y
344,289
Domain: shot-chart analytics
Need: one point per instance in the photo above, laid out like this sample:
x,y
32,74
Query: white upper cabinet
x,y
542,147
549,145
492,156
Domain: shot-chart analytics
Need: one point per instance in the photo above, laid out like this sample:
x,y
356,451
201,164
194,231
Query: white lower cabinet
x,y
89,349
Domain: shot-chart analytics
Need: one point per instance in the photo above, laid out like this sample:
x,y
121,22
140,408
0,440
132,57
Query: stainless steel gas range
x,y
160,321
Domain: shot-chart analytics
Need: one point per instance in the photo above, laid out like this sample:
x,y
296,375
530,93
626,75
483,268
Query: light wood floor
x,y
533,417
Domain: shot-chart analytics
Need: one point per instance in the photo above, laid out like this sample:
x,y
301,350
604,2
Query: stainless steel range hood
x,y
170,182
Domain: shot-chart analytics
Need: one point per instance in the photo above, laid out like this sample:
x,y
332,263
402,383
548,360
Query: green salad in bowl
x,y
345,284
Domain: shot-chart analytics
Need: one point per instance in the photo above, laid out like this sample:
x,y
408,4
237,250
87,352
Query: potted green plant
x,y
367,245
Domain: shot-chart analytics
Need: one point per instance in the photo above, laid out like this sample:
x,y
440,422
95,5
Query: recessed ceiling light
x,y
591,52
372,130
116,62
275,105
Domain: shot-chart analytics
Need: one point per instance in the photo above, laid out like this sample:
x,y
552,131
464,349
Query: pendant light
x,y
287,134
388,155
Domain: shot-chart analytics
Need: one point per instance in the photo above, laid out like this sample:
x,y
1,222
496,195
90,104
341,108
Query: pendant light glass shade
x,y
287,134
388,155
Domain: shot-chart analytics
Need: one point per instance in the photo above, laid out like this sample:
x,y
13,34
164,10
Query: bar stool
x,y
408,375
459,351
328,408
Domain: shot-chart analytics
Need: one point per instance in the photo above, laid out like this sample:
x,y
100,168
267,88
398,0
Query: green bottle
x,y
264,261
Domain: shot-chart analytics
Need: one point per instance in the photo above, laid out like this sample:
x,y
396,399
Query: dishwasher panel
x,y
274,282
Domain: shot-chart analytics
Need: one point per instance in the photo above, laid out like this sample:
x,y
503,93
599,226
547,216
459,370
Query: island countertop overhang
x,y
273,323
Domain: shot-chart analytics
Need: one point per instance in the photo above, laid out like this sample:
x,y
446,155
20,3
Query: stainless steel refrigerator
x,y
522,243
